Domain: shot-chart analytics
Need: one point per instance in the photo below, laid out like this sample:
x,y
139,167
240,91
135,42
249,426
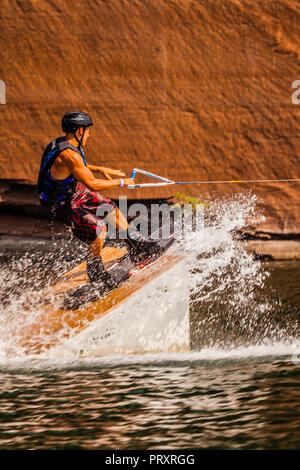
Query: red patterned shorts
x,y
81,213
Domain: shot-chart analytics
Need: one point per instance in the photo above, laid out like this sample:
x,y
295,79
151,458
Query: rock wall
x,y
184,88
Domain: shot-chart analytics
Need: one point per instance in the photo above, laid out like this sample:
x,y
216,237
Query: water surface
x,y
153,403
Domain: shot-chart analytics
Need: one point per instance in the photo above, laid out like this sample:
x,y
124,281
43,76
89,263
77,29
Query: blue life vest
x,y
53,191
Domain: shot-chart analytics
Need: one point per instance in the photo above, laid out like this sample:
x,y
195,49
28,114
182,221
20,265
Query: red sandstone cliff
x,y
184,88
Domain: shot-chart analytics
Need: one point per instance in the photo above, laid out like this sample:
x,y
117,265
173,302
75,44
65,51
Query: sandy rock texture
x,y
184,88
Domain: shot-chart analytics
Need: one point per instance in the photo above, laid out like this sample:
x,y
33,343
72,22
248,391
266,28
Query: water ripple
x,y
147,407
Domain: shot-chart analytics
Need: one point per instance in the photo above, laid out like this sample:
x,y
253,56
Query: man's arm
x,y
84,175
107,172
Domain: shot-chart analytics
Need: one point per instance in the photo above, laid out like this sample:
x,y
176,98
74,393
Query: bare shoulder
x,y
71,158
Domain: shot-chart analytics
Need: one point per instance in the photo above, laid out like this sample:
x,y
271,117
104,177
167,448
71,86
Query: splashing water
x,y
229,305
213,300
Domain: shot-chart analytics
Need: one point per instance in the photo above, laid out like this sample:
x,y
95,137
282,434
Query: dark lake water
x,y
188,403
217,396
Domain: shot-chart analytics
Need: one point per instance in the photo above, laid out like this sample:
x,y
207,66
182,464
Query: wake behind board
x,y
59,320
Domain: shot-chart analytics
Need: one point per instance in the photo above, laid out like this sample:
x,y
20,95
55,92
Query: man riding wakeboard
x,y
68,188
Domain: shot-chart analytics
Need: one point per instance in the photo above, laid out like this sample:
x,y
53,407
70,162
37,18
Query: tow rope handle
x,y
163,181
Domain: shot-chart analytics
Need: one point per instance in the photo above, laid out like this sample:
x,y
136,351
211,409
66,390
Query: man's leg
x,y
96,246
94,266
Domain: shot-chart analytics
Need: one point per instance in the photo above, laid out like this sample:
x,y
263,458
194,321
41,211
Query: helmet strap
x,y
80,141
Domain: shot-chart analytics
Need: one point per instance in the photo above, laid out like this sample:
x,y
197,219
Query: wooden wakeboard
x,y
56,323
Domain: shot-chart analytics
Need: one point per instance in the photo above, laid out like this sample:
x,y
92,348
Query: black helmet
x,y
74,120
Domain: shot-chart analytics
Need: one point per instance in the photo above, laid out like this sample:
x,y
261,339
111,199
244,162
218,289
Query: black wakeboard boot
x,y
140,249
101,282
98,275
